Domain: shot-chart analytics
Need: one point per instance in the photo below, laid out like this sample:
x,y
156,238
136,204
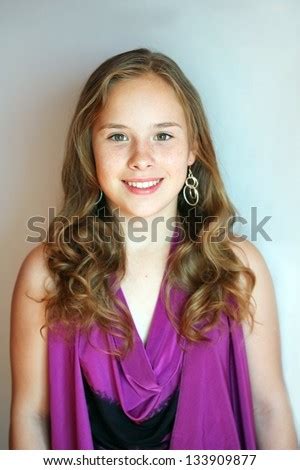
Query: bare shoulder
x,y
252,258
33,274
263,293
27,306
248,254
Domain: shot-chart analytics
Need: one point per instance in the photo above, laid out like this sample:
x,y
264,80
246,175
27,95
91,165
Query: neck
x,y
148,233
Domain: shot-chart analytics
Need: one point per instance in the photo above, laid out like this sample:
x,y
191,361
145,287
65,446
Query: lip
x,y
143,191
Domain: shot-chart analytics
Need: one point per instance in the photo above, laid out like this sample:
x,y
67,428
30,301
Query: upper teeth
x,y
145,184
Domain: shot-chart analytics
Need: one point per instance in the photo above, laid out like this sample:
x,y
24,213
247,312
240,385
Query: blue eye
x,y
116,135
165,134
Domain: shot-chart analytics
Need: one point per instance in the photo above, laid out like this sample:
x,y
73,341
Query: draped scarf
x,y
214,408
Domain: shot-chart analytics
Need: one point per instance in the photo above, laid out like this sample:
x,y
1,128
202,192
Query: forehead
x,y
146,94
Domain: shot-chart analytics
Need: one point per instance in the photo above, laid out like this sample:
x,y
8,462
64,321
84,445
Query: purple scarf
x,y
214,408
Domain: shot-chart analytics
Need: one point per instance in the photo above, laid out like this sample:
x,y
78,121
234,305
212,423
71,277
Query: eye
x,y
117,139
165,134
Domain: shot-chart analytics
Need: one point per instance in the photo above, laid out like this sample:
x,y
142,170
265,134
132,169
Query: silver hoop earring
x,y
100,197
191,187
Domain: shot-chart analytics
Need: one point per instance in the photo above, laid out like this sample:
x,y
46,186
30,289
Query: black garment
x,y
112,429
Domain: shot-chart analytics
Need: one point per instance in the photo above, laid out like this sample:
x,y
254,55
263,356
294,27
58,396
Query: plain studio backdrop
x,y
243,57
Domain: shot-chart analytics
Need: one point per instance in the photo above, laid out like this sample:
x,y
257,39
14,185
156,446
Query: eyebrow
x,y
113,125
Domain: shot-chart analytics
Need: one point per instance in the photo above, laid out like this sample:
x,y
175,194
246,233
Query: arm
x,y
29,412
274,423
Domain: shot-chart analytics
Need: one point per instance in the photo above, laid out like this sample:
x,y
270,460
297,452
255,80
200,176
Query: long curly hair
x,y
86,270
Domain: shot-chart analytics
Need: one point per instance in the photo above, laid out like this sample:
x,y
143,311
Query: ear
x,y
191,158
192,155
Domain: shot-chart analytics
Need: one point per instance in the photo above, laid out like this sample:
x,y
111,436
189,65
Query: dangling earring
x,y
192,189
101,194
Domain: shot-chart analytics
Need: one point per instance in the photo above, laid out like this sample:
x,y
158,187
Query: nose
x,y
141,157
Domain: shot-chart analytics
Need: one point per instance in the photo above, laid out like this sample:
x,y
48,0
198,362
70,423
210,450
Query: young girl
x,y
143,322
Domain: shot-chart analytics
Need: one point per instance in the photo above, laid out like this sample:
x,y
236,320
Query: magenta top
x,y
213,407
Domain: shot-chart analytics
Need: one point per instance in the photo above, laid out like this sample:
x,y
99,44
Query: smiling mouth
x,y
143,184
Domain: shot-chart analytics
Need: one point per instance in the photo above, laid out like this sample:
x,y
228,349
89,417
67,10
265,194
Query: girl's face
x,y
141,134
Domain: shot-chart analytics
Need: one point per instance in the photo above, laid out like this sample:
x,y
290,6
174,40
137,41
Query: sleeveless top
x,y
139,412
167,394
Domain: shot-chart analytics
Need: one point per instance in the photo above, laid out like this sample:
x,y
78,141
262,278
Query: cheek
x,y
179,171
177,164
106,165
176,154
104,173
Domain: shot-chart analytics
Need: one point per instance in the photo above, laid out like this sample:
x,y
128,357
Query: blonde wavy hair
x,y
82,263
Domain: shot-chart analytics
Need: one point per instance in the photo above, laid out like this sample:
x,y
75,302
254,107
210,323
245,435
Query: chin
x,y
142,213
144,209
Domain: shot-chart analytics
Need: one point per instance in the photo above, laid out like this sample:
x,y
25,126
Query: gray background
x,y
243,56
